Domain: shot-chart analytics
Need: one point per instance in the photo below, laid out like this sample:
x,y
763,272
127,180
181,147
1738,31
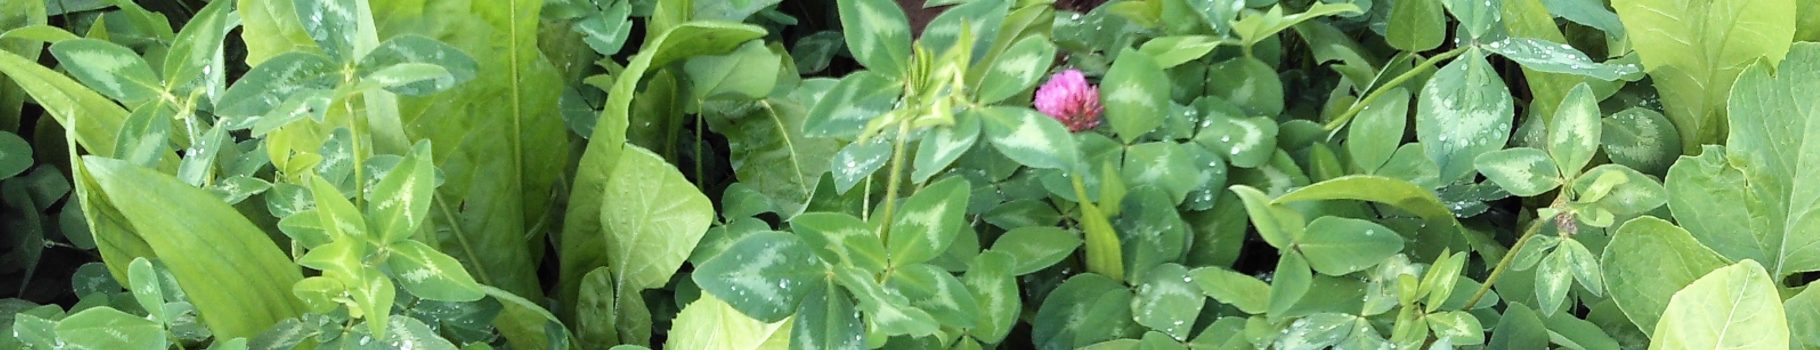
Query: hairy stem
x,y
897,164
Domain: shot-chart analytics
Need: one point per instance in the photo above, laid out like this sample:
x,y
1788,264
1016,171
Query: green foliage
x,y
866,174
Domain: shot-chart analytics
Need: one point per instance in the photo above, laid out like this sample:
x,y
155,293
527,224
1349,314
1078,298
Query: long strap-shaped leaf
x,y
65,100
238,279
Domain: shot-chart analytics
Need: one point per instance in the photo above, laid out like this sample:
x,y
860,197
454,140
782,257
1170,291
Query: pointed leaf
x,y
1029,138
1734,307
1522,171
1464,111
430,274
928,222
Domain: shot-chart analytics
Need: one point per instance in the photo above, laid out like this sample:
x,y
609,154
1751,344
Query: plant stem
x,y
897,163
1504,263
1399,80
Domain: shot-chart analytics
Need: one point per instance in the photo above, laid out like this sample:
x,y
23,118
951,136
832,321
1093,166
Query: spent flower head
x,y
1068,98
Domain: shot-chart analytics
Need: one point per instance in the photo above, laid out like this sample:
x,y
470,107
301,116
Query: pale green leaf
x,y
1034,248
211,242
1575,134
1244,292
709,323
106,328
1029,138
1694,50
1397,193
1734,307
1550,57
856,100
653,220
1377,131
1649,259
1640,138
430,274
1016,70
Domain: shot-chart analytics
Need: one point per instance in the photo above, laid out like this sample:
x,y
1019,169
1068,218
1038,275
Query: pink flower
x,y
1068,98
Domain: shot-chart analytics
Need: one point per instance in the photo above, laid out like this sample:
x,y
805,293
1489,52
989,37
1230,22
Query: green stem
x,y
897,164
1399,80
1504,264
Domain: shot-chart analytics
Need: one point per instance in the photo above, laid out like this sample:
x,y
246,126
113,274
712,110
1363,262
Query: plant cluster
x,y
954,174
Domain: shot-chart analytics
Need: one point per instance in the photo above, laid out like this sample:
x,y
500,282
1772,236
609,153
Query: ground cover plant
x,y
938,174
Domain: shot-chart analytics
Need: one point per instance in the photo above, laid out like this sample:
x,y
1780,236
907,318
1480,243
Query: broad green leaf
x,y
430,274
1085,309
106,328
1168,300
1029,138
595,317
1244,142
414,49
1277,224
331,24
813,52
1522,171
1711,199
1017,69
1635,193
928,221
143,281
1292,281
1249,83
1590,13
771,155
936,291
709,323
1034,248
826,319
1649,259
763,275
878,35
1734,307
1640,138
1136,95
409,333
1377,131
1337,246
582,231
1441,279
1477,17
269,84
1464,111
401,201
1244,292
15,155
943,146
1519,328
1393,192
1256,27
1575,134
1550,57
887,312
1696,49
994,285
1767,155
737,10
111,69
211,242
1416,25
749,72
653,219
1803,318
1171,51
856,100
